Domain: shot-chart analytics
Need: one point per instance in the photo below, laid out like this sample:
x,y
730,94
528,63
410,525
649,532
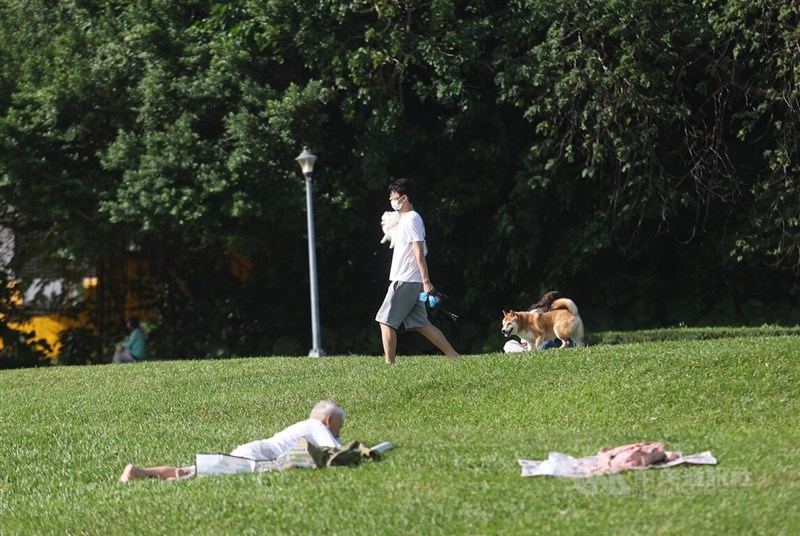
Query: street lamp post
x,y
306,161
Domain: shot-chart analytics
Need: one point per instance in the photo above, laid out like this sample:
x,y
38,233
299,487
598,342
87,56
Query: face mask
x,y
396,204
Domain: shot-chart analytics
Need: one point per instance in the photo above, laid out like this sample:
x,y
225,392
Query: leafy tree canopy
x,y
629,153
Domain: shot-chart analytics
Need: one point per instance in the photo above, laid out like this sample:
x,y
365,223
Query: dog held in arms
x,y
562,321
389,223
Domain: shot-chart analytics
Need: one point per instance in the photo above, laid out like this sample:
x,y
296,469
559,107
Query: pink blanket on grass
x,y
636,456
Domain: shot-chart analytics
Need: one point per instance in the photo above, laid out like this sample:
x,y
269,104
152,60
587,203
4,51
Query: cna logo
x,y
663,482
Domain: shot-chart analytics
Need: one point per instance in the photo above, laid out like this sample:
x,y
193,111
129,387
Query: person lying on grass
x,y
321,429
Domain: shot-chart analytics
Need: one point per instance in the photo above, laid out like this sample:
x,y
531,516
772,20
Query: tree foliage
x,y
639,155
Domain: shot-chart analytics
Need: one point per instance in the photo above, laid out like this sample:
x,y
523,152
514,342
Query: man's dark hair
x,y
404,187
546,301
134,322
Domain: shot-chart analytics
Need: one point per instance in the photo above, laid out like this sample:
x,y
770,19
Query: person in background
x,y
132,349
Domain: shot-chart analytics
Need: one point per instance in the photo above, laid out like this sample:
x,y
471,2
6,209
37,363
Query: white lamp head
x,y
306,160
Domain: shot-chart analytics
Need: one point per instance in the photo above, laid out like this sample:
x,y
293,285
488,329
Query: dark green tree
x,y
639,155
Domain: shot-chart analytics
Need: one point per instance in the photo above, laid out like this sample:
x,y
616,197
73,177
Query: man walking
x,y
408,278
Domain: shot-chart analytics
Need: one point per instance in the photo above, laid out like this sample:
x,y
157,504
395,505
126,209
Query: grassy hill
x,y
459,428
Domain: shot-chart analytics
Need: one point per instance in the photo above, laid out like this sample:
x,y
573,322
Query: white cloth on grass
x,y
564,465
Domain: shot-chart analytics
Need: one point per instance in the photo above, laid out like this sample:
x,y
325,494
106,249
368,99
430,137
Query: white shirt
x,y
404,263
312,430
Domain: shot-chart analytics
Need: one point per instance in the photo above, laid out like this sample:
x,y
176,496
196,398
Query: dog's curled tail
x,y
565,303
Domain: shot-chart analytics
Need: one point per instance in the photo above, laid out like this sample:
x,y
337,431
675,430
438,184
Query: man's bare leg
x,y
433,334
163,471
389,339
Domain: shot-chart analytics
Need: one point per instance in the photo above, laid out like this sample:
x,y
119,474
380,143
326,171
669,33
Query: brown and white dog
x,y
562,321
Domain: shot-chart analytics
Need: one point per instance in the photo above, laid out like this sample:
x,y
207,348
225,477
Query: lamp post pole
x,y
306,161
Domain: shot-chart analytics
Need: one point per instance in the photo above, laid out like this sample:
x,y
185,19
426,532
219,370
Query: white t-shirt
x,y
312,430
404,263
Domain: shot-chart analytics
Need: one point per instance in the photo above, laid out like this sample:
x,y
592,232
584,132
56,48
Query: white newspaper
x,y
564,465
225,464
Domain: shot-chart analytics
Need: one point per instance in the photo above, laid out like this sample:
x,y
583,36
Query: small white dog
x,y
389,222
517,346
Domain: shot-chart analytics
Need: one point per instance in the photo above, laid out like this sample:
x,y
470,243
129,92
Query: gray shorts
x,y
402,305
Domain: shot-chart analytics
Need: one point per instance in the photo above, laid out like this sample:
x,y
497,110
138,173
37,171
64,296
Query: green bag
x,y
345,455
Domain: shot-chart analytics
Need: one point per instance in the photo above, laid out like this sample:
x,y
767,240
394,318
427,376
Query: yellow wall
x,y
47,328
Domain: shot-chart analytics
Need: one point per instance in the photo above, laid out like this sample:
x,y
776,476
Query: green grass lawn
x,y
459,428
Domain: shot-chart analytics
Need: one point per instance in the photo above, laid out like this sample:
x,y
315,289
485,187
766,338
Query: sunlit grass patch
x,y
459,428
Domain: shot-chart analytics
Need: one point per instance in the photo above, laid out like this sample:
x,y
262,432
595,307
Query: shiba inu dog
x,y
562,322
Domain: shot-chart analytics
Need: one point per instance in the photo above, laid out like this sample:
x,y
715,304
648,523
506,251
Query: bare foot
x,y
131,471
